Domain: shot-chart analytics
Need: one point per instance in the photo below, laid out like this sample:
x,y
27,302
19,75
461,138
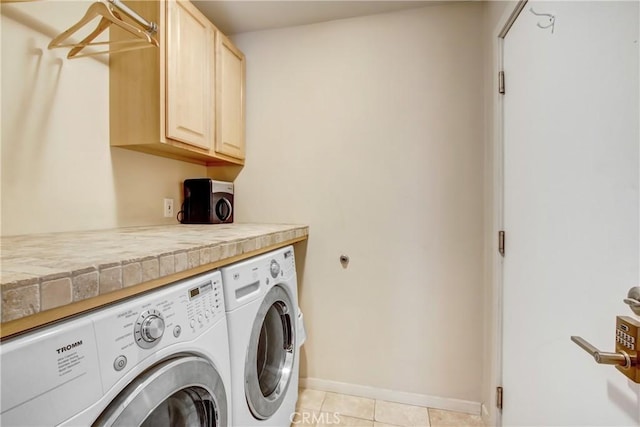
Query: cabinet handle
x,y
603,357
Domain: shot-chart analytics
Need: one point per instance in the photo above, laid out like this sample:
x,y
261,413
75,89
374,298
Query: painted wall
x,y
58,171
371,131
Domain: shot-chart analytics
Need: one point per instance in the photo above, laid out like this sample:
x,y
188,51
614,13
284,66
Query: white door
x,y
571,210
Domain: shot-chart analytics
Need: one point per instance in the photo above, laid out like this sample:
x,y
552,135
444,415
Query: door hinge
x,y
501,82
501,242
499,397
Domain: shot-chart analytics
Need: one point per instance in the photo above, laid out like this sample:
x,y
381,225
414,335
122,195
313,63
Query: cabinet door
x,y
190,91
231,80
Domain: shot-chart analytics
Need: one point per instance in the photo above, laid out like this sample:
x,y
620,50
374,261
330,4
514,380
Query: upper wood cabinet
x,y
184,100
231,62
190,75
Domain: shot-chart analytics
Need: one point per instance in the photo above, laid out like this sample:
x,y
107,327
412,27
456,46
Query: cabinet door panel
x,y
190,75
232,69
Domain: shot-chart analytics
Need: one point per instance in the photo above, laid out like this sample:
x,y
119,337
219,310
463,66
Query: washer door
x,y
182,391
270,356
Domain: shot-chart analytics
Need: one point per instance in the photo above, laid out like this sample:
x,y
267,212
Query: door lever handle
x,y
619,358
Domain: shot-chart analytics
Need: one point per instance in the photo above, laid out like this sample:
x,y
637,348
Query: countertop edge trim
x,y
43,318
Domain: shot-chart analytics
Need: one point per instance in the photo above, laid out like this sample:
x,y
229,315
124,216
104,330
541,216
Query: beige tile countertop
x,y
46,277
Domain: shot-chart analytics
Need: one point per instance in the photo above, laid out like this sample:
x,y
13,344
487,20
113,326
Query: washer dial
x,y
149,328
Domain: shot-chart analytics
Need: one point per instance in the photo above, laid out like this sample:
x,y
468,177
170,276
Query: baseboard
x,y
436,402
486,416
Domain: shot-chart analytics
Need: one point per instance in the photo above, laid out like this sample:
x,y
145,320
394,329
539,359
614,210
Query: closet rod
x,y
151,27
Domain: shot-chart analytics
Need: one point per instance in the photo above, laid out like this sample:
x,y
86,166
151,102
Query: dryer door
x,y
182,391
271,354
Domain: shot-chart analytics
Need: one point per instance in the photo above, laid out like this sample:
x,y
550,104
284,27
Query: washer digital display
x,y
204,288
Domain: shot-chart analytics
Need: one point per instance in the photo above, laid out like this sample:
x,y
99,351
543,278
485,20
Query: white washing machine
x,y
161,359
265,335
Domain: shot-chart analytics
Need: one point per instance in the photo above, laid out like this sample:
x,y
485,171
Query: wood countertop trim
x,y
18,326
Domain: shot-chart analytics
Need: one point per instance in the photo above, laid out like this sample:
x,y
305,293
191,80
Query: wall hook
x,y
551,20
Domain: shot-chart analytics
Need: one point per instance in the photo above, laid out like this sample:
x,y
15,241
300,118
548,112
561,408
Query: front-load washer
x,y
160,359
261,300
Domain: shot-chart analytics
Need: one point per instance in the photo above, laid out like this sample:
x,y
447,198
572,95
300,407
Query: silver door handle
x,y
603,357
632,302
633,299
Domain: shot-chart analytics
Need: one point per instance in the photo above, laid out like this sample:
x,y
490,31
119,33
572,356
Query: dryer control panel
x,y
288,261
144,326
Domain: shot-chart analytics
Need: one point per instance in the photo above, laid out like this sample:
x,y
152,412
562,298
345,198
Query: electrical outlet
x,y
168,208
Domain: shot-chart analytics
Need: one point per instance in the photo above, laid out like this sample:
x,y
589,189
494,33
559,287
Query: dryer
x,y
261,300
159,359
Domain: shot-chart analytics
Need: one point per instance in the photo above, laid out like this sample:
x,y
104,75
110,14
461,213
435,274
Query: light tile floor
x,y
320,409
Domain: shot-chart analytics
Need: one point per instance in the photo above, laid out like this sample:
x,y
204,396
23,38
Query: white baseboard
x,y
436,402
486,416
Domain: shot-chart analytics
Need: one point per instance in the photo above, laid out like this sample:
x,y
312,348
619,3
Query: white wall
x,y
58,171
371,131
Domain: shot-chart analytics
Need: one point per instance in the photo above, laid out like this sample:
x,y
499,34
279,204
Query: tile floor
x,y
320,409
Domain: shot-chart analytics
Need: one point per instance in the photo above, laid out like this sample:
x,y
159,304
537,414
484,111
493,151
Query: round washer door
x,y
270,356
182,391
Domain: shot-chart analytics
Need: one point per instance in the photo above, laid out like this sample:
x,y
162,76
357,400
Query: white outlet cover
x,y
168,208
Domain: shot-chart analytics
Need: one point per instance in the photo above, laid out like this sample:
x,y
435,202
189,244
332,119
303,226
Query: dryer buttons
x,y
120,363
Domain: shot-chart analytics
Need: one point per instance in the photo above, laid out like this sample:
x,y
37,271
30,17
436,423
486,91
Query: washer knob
x,y
275,268
152,328
149,328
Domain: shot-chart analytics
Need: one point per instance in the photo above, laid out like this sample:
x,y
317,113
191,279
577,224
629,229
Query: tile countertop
x,y
42,272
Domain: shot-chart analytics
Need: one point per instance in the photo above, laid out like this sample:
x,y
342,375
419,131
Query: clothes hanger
x,y
108,17
102,25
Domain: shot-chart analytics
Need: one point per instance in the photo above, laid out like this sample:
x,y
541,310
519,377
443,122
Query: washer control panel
x,y
205,303
133,330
